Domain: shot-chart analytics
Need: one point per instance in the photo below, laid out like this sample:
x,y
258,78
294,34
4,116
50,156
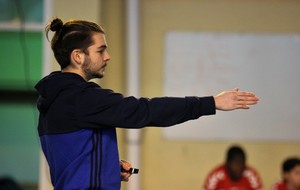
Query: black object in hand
x,y
131,170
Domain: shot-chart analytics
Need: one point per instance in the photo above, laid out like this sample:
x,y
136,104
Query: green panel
x,y
19,144
30,10
21,60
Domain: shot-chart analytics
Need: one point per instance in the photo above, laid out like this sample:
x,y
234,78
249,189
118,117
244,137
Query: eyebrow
x,y
102,47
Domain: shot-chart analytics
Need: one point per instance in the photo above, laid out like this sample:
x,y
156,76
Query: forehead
x,y
98,40
296,169
237,159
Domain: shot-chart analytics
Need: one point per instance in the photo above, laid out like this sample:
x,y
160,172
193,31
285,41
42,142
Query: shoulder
x,y
91,94
279,185
253,177
217,173
216,176
218,168
251,172
87,85
92,89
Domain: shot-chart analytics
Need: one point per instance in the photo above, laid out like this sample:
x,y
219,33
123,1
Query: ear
x,y
77,57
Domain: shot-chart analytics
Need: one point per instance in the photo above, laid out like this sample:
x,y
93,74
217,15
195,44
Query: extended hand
x,y
234,99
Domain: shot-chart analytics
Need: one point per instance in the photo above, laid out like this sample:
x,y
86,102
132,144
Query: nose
x,y
107,57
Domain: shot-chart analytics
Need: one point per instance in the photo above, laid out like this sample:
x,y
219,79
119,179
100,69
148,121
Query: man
x,y
290,175
78,119
235,174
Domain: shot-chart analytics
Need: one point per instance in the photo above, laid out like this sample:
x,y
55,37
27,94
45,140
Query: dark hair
x,y
290,164
8,183
74,34
235,151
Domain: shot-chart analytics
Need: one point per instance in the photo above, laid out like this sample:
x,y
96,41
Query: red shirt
x,y
219,179
280,185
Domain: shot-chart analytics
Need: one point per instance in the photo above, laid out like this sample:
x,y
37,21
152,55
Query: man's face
x,y
236,168
293,177
97,57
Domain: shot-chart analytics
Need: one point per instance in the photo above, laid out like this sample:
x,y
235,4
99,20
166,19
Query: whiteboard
x,y
204,64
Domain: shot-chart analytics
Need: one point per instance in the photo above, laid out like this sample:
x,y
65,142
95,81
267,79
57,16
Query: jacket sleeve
x,y
254,179
104,108
214,178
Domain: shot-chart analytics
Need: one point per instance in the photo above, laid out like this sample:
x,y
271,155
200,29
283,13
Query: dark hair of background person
x,y
8,183
235,151
290,163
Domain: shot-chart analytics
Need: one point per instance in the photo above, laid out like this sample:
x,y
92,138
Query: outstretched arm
x,y
234,99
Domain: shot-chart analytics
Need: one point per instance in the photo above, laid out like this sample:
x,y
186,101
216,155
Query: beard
x,y
90,72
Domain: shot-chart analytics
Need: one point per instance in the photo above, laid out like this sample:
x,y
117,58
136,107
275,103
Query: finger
x,y
246,94
125,165
126,177
247,97
247,102
243,107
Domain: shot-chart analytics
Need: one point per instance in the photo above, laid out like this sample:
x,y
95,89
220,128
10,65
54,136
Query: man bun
x,y
56,25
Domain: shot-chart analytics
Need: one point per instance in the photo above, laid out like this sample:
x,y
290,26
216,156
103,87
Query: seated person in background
x,y
234,174
290,175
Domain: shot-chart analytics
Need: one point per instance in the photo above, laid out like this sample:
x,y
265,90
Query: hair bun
x,y
56,25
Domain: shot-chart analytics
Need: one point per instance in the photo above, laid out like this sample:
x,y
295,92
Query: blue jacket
x,y
77,127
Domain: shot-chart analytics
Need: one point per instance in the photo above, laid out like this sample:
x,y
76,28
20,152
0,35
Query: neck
x,y
76,71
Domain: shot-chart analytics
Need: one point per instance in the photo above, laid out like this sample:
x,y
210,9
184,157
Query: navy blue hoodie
x,y
77,127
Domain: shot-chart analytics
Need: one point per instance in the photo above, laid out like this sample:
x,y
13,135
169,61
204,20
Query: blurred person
x,y
8,183
234,174
290,175
78,118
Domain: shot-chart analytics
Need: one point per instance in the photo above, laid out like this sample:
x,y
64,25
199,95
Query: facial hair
x,y
89,72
